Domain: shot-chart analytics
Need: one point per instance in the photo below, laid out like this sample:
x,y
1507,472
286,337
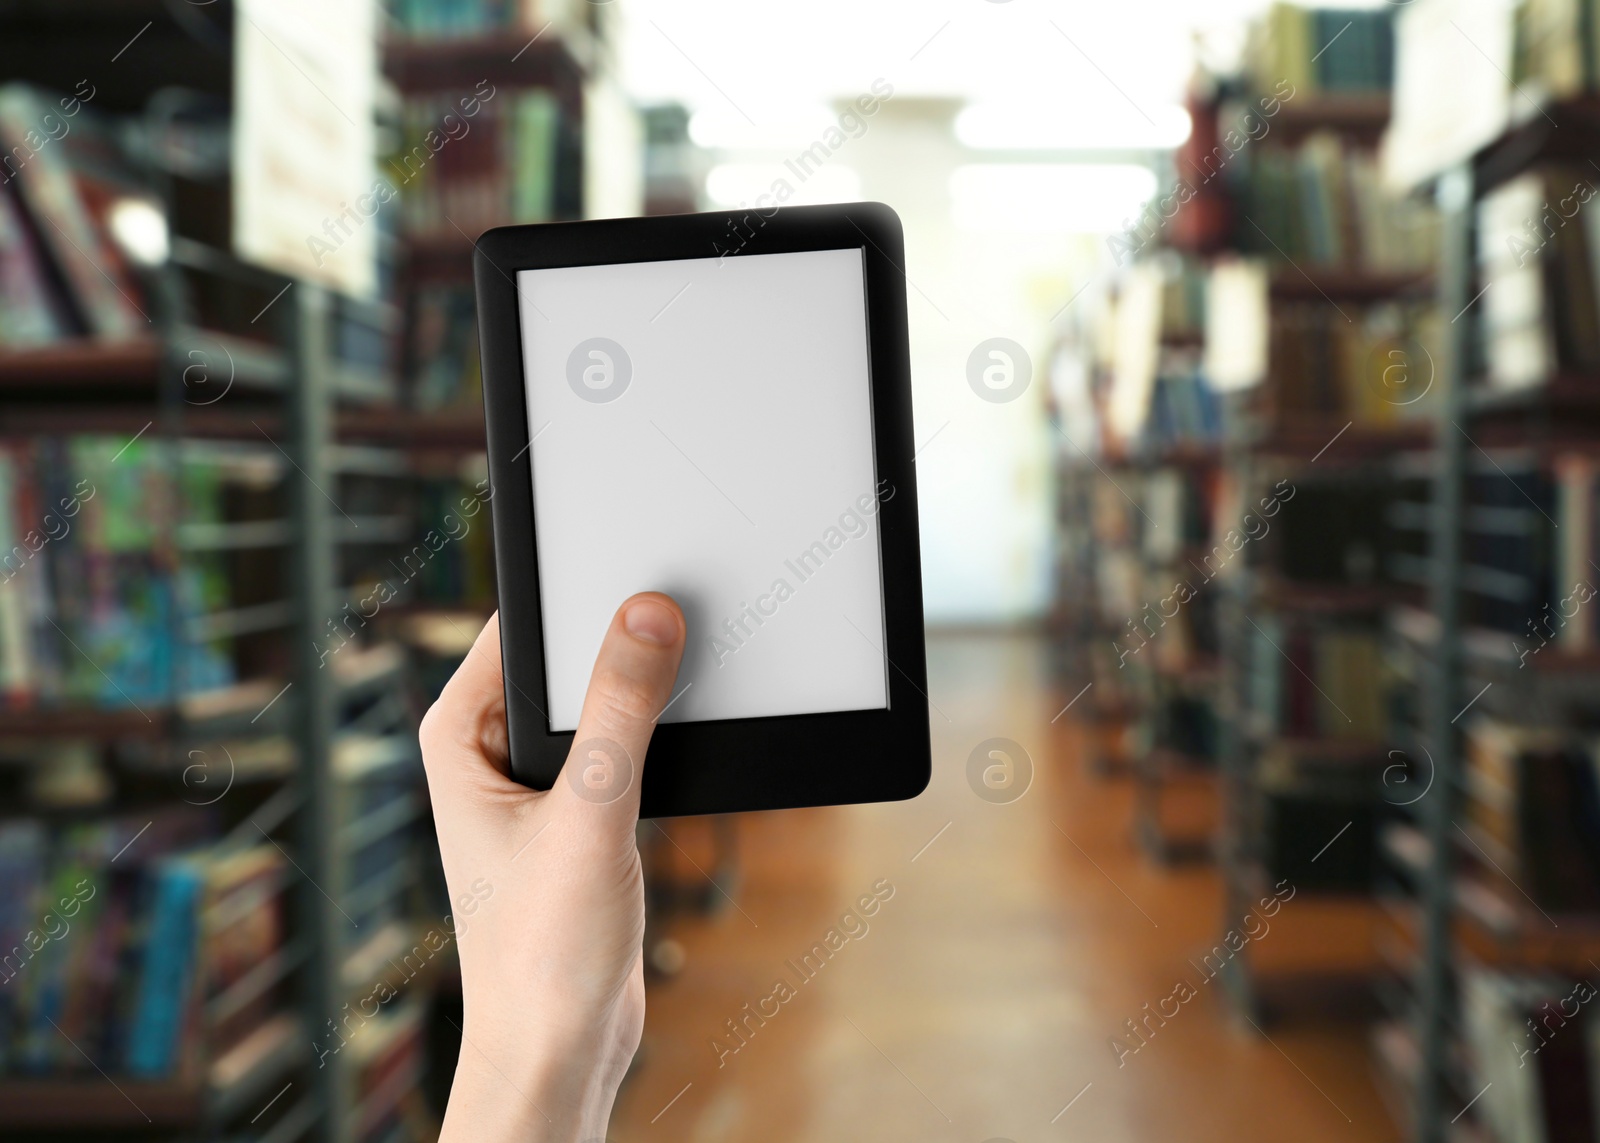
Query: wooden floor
x,y
982,1000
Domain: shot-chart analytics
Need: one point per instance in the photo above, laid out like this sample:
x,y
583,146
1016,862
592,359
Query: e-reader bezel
x,y
727,765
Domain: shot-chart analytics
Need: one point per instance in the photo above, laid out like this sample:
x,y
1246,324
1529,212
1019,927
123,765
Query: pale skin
x,y
551,964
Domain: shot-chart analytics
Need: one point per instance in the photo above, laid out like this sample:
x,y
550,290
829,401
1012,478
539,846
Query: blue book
x,y
155,1033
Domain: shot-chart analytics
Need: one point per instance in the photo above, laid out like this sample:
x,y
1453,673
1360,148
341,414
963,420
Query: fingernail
x,y
651,621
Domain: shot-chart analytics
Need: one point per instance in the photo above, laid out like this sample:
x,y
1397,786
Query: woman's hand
x,y
547,890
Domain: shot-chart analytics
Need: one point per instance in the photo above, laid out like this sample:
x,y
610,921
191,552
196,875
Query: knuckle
x,y
623,704
435,733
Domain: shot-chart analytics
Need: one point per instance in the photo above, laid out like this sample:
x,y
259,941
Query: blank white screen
x,y
733,433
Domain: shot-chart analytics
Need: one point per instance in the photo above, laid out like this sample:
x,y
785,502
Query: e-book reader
x,y
715,406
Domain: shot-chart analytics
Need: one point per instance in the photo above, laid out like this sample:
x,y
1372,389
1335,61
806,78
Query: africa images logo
x,y
599,370
999,370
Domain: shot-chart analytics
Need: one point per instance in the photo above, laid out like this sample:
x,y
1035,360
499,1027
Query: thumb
x,y
631,684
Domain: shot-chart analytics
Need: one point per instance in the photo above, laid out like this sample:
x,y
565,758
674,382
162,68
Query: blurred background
x,y
1255,350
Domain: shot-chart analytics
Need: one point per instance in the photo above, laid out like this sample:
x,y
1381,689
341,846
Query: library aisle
x,y
992,989
1254,353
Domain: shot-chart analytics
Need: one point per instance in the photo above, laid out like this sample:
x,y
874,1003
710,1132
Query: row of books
x,y
1554,46
1183,298
1184,409
1179,507
1539,264
1533,1043
94,606
1186,724
444,370
1324,50
1533,809
1149,339
1323,204
115,944
1316,679
513,159
378,784
448,558
1320,812
1514,551
1529,550
130,935
62,271
437,18
1374,365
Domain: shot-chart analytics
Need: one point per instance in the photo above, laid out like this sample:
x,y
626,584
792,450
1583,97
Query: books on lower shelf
x,y
376,799
1512,551
1316,679
124,945
387,1057
1323,205
446,557
1374,366
1534,813
1539,264
443,336
1336,534
94,607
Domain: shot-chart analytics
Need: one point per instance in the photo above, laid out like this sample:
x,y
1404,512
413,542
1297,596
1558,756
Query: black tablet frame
x,y
734,764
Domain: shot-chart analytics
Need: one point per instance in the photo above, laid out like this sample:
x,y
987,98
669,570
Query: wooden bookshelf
x,y
447,431
1319,284
231,1083
1560,131
95,723
1334,441
84,362
1326,599
1564,394
93,1103
1358,115
322,425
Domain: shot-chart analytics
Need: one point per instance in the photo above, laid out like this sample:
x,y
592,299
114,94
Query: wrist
x,y
500,1097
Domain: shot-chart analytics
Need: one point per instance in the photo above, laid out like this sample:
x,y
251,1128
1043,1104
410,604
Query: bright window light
x,y
778,184
1069,198
796,126
1039,126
